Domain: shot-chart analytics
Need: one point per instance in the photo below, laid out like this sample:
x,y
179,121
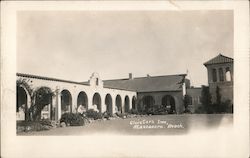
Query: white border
x,y
220,143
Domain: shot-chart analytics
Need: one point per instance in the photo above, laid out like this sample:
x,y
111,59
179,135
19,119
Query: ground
x,y
146,125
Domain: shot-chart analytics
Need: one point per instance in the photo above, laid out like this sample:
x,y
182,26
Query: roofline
x,y
147,77
48,78
119,88
205,64
160,91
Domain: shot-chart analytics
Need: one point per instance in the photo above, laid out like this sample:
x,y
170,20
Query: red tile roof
x,y
219,59
148,84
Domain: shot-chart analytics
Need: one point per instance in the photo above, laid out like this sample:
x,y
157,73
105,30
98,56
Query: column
x,y
58,104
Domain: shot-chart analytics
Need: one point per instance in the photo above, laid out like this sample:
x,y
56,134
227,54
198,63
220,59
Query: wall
x,y
177,95
74,88
226,87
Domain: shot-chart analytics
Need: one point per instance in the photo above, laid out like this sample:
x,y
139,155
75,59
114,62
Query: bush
x,y
122,115
28,126
72,119
158,110
133,111
93,114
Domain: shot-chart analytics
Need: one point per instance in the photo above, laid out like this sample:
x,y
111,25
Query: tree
x,y
218,96
43,96
186,101
24,83
39,98
206,99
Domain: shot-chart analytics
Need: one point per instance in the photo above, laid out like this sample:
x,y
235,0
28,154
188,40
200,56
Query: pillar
x,y
57,103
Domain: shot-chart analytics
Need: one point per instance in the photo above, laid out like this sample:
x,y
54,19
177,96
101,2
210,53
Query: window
x,y
221,74
190,101
214,75
199,100
97,81
228,74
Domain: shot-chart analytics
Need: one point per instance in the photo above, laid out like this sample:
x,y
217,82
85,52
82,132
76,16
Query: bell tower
x,y
220,74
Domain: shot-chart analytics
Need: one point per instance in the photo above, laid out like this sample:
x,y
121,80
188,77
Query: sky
x,y
71,45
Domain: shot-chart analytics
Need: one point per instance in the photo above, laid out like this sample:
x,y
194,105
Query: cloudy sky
x,y
72,45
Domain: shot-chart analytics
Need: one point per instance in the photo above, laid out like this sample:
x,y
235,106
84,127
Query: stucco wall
x,y
75,89
177,95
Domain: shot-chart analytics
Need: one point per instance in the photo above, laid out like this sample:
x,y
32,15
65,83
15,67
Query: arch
x,y
82,101
66,101
169,103
214,75
133,102
127,104
97,101
221,74
118,103
21,103
43,103
148,102
108,103
228,74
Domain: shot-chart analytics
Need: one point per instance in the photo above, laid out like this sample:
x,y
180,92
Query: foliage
x,y
28,126
159,110
39,98
93,114
217,107
72,119
218,96
186,101
43,96
106,115
134,111
206,100
122,115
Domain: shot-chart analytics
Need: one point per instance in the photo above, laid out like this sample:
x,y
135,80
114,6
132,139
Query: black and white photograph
x,y
134,74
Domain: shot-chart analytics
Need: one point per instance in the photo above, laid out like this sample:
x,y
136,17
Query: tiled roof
x,y
218,60
148,84
47,78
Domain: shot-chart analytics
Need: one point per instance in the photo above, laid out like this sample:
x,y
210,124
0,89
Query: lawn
x,y
146,125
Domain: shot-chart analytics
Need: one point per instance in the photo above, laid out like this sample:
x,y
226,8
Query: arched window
x,y
97,81
214,75
228,74
221,74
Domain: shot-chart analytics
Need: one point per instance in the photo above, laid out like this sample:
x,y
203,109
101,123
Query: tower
x,y
220,74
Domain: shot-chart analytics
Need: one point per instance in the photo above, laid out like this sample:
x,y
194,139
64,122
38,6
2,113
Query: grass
x,y
182,123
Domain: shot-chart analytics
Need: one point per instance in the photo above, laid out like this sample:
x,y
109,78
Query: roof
x,y
148,84
47,78
219,59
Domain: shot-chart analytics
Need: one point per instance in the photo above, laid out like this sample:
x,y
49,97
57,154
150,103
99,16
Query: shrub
x,y
93,114
133,111
27,126
122,115
72,119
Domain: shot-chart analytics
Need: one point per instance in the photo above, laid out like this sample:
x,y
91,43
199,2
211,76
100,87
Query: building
x,y
111,95
220,74
121,95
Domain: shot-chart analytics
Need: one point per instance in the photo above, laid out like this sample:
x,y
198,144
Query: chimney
x,y
130,76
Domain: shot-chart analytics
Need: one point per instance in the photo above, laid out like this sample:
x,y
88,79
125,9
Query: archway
x,y
148,102
118,103
108,103
21,103
82,102
169,103
97,101
133,102
66,101
127,104
43,104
